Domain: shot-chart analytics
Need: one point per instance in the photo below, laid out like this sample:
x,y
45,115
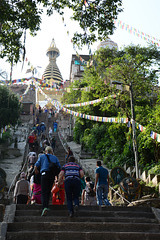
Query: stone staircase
x,y
92,223
59,150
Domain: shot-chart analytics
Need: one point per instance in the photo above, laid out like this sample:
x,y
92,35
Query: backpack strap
x,y
48,158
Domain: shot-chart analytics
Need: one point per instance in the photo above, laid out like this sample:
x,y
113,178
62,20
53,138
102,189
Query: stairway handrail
x,y
62,141
120,195
77,156
22,169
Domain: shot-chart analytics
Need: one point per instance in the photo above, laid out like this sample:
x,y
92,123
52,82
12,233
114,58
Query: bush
x,y
155,170
6,137
78,132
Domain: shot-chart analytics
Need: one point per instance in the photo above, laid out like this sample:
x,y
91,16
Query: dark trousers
x,y
72,189
22,199
46,185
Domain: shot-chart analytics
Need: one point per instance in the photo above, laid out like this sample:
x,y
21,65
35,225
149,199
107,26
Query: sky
x,y
140,14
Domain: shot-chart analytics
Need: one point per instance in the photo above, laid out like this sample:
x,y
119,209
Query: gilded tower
x,y
52,75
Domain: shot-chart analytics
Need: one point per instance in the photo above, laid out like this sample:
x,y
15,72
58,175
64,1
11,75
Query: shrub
x,y
6,137
155,169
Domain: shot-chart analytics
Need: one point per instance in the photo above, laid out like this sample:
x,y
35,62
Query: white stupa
x,y
107,43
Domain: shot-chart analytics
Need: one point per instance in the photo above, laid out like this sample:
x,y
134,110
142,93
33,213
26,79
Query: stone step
x,y
94,214
59,155
87,208
61,161
78,235
59,146
82,219
83,226
60,150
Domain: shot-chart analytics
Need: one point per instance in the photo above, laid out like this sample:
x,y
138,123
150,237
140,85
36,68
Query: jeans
x,y
101,194
46,185
72,188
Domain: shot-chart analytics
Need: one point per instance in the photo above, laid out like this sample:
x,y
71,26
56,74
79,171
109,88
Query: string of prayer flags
x,y
137,33
91,102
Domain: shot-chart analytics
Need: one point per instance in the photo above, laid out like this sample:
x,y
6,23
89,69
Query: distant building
x,y
28,101
77,66
52,76
107,43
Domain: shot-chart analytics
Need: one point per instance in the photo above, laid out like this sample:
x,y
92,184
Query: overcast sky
x,y
140,14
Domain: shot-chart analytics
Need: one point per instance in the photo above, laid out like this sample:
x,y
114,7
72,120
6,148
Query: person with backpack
x,y
47,175
88,194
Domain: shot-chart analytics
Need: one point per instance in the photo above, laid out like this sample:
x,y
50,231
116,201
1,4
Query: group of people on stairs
x,y
46,176
70,177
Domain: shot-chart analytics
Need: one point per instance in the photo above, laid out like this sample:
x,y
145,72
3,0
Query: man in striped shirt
x,y
72,172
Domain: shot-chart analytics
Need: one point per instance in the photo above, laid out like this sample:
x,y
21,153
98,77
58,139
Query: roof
x,y
85,57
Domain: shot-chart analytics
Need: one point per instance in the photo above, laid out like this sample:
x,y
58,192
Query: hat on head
x,y
23,175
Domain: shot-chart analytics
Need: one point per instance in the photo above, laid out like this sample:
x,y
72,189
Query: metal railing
x,y
120,195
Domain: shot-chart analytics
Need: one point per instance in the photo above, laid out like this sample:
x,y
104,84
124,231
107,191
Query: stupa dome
x,y
52,75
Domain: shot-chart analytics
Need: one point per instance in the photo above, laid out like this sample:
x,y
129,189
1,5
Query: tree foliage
x,y
9,107
136,65
17,16
113,142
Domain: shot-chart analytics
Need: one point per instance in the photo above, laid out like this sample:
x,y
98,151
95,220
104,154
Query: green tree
x,y
132,64
74,94
9,107
150,148
17,16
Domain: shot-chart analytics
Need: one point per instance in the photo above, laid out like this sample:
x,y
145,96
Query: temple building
x,y
77,66
52,76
